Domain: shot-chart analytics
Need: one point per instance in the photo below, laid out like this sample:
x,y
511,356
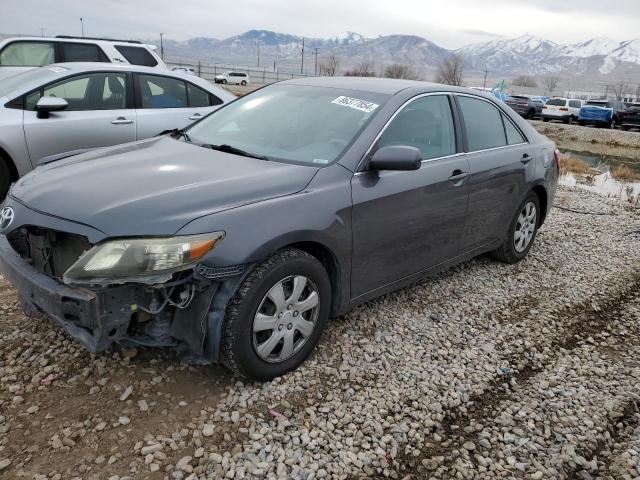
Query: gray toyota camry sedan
x,y
235,241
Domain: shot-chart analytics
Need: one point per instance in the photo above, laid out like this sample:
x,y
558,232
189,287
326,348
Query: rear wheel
x,y
522,231
277,316
582,123
570,120
243,82
545,119
224,81
5,179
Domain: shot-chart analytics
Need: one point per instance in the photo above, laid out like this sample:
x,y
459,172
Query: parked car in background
x,y
601,113
19,54
63,107
525,105
235,240
563,109
629,117
540,98
183,69
233,78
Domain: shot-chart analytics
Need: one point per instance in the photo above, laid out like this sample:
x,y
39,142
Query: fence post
x,y
199,69
264,71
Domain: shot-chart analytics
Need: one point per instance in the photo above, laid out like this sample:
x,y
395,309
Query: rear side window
x,y
137,55
425,123
483,124
200,98
513,134
162,92
27,54
558,102
575,103
82,52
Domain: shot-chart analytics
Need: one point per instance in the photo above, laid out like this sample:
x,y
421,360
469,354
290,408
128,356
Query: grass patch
x,y
622,172
574,165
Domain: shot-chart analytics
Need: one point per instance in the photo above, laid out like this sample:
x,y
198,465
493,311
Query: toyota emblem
x,y
6,218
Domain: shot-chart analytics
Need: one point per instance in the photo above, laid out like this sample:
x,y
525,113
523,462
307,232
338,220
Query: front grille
x,y
48,251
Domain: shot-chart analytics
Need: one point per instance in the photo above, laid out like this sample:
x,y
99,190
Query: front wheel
x,y
545,119
243,83
276,317
522,231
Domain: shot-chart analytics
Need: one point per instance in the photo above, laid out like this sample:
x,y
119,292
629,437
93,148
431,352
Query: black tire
x,y
530,114
224,81
545,119
243,82
507,252
237,346
570,120
582,123
5,180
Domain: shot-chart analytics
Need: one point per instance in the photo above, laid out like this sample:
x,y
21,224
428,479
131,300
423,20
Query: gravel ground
x,y
484,371
601,141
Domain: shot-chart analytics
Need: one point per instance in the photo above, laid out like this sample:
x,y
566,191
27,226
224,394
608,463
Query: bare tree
x,y
451,70
328,66
524,81
551,83
365,69
398,70
619,89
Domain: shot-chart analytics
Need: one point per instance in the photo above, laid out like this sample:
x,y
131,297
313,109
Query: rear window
x,y
137,55
519,97
82,52
27,54
559,102
198,97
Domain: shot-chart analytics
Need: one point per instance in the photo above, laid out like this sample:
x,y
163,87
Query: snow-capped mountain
x,y
527,54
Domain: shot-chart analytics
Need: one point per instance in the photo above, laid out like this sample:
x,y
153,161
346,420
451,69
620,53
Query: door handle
x,y
525,158
121,121
457,176
195,116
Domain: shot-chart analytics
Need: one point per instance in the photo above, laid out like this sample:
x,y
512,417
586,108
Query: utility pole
x,y
258,52
486,70
161,46
302,62
82,26
315,69
606,93
41,32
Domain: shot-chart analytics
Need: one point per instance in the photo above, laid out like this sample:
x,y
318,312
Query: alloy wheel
x,y
525,227
286,318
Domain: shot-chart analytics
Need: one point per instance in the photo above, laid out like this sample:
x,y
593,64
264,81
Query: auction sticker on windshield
x,y
356,103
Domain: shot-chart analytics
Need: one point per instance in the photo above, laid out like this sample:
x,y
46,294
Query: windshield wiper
x,y
178,132
235,151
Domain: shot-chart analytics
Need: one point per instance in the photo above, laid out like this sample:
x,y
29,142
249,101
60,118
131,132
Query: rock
x,y
124,420
127,392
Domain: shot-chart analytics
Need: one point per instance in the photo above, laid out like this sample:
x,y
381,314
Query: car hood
x,y
153,187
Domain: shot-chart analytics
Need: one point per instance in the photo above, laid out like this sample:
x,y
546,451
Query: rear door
x,y
164,103
499,157
405,222
98,115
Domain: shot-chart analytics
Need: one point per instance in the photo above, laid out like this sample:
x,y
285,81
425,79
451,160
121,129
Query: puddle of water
x,y
603,183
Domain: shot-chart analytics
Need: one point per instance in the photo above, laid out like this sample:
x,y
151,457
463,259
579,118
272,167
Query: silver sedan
x,y
73,106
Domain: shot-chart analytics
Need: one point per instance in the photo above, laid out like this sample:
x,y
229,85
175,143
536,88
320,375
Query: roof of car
x,y
68,39
389,86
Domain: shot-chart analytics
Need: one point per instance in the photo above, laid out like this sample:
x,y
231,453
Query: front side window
x,y
137,55
291,123
575,103
27,54
82,52
425,123
483,124
96,91
162,92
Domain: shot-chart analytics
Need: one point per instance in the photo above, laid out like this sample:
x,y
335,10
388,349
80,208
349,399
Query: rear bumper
x,y
556,116
87,315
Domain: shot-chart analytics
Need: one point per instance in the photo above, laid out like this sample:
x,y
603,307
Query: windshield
x,y
595,103
291,123
24,79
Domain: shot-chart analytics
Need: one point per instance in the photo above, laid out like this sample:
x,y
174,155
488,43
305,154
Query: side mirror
x,y
399,157
47,105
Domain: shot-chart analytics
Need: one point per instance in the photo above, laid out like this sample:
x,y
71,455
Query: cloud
x,y
480,33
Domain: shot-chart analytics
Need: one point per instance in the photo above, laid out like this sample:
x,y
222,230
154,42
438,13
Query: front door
x,y
405,222
96,116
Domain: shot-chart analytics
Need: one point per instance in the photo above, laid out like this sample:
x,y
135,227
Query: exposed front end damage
x,y
185,312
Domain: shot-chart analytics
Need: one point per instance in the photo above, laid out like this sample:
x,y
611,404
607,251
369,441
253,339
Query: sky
x,y
450,23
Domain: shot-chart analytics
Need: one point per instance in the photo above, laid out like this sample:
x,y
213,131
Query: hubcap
x,y
285,318
525,227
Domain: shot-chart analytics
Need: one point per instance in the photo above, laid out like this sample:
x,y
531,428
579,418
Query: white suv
x,y
24,53
237,78
559,108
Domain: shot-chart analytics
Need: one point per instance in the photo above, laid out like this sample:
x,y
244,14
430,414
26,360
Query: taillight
x,y
544,107
563,109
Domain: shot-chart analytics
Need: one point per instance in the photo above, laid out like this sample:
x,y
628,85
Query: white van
x,y
564,109
18,54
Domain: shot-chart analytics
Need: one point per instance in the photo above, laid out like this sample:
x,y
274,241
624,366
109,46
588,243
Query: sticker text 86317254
x,y
356,103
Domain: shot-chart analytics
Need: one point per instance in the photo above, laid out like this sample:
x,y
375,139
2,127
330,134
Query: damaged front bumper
x,y
98,318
